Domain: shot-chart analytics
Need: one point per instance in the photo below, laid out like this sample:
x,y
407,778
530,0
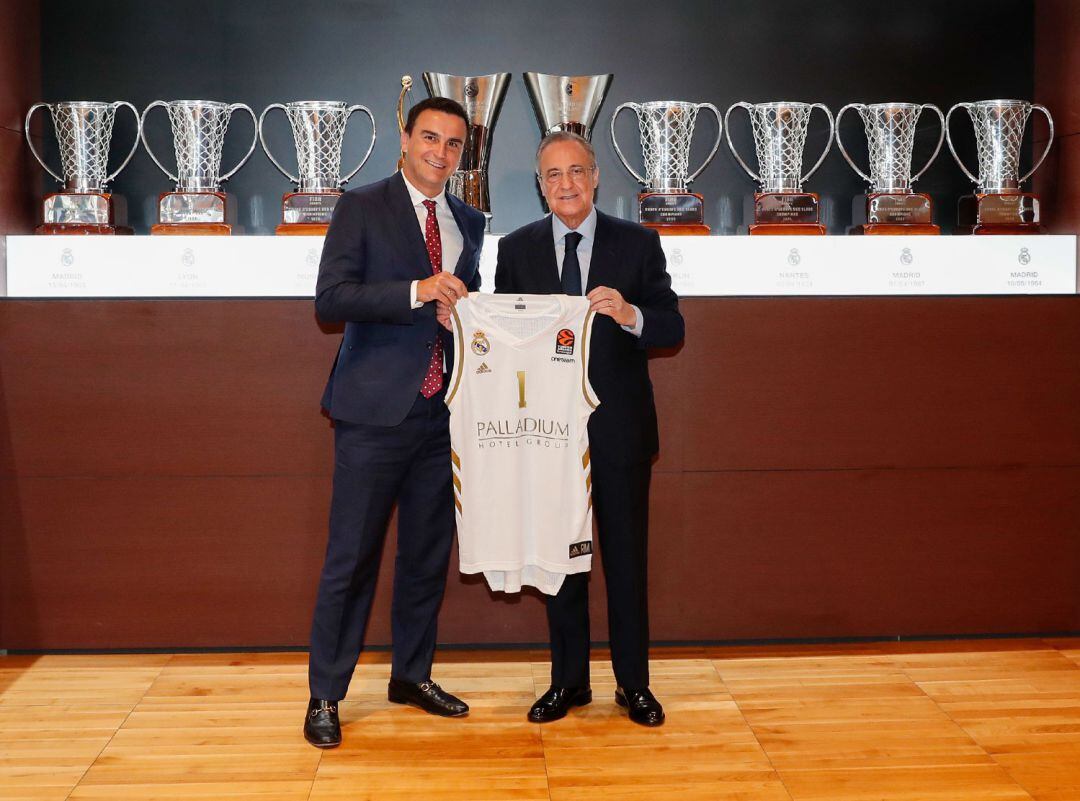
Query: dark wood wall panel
x,y
20,87
830,467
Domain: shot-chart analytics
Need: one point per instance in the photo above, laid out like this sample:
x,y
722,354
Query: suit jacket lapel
x,y
468,246
401,208
603,264
542,258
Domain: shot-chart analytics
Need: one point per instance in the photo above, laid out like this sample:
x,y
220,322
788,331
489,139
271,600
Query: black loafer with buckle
x,y
428,696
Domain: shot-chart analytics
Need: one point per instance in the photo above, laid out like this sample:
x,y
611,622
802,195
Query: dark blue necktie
x,y
571,269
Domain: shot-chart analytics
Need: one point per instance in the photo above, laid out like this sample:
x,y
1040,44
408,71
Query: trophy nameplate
x,y
194,214
995,213
787,213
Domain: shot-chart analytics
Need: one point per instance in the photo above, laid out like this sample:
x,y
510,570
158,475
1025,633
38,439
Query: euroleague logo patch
x,y
564,342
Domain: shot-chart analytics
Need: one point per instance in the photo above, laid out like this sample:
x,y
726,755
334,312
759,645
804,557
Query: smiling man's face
x,y
433,150
570,197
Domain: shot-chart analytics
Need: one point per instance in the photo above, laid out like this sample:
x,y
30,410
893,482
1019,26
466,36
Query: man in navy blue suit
x,y
395,249
620,267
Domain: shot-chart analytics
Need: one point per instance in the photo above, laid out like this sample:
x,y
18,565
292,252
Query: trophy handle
x,y
940,140
1049,141
948,140
730,144
828,145
840,142
371,147
29,141
134,145
254,138
716,144
142,135
266,149
618,151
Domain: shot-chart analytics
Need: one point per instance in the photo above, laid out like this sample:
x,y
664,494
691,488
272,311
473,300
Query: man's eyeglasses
x,y
576,173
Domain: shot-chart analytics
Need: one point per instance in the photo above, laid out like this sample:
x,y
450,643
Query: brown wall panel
x,y
20,86
830,467
1057,62
876,382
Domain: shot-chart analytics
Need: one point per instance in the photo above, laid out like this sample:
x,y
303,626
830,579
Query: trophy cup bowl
x,y
567,102
197,206
84,135
891,206
779,128
318,129
998,205
667,128
481,96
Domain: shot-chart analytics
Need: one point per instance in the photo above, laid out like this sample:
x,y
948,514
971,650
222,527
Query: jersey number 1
x,y
521,389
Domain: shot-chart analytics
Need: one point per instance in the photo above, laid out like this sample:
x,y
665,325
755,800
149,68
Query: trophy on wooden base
x,y
197,206
481,96
998,205
318,128
667,127
84,133
891,206
781,207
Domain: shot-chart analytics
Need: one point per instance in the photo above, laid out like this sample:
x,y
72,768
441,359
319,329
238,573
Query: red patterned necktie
x,y
433,381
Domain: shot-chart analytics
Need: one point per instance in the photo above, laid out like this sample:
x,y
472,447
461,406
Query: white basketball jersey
x,y
520,401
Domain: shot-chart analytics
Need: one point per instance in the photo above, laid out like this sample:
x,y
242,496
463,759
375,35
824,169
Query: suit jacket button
x,y
429,346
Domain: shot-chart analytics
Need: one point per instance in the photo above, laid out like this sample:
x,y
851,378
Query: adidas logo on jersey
x,y
580,548
483,368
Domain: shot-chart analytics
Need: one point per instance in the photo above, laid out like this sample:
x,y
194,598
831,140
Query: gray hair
x,y
564,136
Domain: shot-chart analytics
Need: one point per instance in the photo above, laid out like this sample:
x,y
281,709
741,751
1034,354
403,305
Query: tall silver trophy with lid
x,y
892,206
197,206
318,130
84,134
482,97
999,205
667,128
780,128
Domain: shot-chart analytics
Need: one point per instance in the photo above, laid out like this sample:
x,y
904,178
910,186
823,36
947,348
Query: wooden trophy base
x,y
82,229
786,214
678,230
673,213
301,229
888,229
787,229
194,214
191,229
989,214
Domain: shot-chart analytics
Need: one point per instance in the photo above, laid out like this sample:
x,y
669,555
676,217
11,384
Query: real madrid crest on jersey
x,y
480,344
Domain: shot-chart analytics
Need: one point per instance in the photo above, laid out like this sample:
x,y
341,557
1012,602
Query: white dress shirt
x,y
587,229
449,233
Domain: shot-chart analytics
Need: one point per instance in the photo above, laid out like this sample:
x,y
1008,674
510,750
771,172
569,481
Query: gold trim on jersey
x,y
457,503
586,336
459,357
455,458
584,459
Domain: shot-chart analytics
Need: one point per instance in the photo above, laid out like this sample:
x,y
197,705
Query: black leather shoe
x,y
426,695
557,701
642,704
321,726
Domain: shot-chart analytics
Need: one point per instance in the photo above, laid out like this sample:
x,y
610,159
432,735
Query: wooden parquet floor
x,y
941,721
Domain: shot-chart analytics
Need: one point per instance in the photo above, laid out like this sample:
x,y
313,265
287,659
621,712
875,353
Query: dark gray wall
x,y
833,51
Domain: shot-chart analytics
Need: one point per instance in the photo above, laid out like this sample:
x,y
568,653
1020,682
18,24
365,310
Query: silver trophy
x,y
84,134
567,102
318,129
890,136
482,97
999,130
198,128
779,139
667,126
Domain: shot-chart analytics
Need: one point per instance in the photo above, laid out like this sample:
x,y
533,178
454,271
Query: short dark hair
x,y
443,104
